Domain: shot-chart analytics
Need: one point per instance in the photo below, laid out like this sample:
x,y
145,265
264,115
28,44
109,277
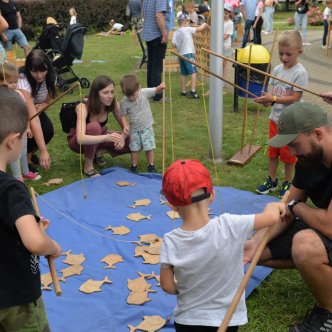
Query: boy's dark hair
x,y
13,113
129,84
8,70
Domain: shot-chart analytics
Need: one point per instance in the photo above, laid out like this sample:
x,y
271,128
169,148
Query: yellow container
x,y
257,53
11,57
20,63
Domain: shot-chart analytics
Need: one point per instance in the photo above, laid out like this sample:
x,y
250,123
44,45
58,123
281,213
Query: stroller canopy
x,y
73,41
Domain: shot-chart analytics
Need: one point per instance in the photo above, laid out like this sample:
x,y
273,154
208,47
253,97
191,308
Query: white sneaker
x,y
324,47
306,44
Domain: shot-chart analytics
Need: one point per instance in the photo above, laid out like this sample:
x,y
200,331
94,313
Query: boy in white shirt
x,y
183,41
201,262
228,33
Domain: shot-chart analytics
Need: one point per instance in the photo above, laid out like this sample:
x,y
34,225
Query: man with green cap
x,y
304,240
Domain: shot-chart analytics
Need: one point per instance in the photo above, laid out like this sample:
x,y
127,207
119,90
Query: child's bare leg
x,y
273,166
183,84
150,157
193,82
289,171
224,68
134,158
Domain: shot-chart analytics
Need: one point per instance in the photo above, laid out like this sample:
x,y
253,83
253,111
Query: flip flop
x,y
92,173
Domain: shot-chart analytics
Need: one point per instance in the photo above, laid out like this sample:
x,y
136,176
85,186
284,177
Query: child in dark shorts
x,y
22,237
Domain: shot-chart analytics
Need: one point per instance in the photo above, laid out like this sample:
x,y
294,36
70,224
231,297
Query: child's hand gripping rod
x,y
55,279
250,270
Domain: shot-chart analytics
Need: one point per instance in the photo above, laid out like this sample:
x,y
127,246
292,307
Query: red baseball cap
x,y
183,178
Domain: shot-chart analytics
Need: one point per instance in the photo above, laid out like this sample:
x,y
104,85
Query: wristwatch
x,y
291,206
274,99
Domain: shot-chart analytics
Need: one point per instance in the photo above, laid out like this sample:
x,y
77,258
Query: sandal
x,y
99,161
92,173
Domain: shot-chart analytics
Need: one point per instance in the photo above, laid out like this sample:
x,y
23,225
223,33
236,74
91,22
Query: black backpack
x,y
68,116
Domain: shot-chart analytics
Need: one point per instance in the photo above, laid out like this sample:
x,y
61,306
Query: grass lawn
x,y
283,298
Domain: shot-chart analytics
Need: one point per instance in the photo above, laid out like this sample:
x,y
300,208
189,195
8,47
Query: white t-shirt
x,y
183,40
208,267
42,93
327,13
73,20
297,74
228,30
258,7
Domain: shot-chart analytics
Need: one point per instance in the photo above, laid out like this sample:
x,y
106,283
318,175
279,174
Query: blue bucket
x,y
255,88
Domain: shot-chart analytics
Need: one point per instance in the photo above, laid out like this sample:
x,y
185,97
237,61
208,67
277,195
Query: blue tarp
x,y
79,223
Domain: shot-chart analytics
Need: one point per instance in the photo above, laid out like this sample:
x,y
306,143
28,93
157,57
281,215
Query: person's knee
x,y
93,128
304,246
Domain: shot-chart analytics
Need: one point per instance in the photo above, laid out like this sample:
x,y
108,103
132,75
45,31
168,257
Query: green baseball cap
x,y
295,119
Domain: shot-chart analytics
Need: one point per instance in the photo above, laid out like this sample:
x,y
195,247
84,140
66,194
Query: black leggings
x,y
48,132
195,328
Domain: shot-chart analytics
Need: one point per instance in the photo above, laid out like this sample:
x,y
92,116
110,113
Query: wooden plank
x,y
242,157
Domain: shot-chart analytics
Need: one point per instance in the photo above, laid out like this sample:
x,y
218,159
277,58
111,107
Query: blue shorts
x,y
186,67
15,35
142,139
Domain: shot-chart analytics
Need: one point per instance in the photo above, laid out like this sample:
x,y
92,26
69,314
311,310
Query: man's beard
x,y
312,160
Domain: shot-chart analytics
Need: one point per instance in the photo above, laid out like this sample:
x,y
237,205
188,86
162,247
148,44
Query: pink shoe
x,y
31,176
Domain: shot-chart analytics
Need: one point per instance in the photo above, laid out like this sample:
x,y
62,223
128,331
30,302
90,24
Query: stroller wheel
x,y
65,87
85,83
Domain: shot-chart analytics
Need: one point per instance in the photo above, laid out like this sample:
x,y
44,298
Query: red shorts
x,y
283,152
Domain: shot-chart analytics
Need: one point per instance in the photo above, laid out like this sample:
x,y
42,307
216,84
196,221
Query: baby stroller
x,y
62,49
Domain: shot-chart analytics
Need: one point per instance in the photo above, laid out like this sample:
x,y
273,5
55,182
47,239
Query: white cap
x,y
228,7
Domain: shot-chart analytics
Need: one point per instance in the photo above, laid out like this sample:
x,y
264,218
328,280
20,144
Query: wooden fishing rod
x,y
214,74
250,270
55,100
261,72
50,261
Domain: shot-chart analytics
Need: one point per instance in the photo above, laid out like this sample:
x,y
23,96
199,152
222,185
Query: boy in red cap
x,y
202,261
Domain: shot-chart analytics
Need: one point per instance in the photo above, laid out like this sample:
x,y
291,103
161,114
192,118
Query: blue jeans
x,y
248,25
301,19
268,18
326,28
156,54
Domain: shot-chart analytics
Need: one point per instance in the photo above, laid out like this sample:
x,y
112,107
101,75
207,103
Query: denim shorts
x,y
281,246
186,67
142,139
15,35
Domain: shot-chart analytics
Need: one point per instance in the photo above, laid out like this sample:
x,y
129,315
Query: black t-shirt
x,y
317,184
8,11
19,269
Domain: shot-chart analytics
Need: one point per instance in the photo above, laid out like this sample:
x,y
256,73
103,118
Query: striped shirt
x,y
139,110
150,9
42,93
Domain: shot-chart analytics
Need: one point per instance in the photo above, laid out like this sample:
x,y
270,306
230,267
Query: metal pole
x,y
216,90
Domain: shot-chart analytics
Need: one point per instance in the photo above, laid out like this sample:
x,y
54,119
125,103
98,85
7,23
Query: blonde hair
x,y
7,71
72,11
290,38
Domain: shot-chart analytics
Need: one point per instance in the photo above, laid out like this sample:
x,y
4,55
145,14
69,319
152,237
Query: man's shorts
x,y
142,139
283,152
24,318
186,67
281,246
15,35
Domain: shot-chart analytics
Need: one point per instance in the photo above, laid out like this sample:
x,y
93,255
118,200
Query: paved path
x,y
318,65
